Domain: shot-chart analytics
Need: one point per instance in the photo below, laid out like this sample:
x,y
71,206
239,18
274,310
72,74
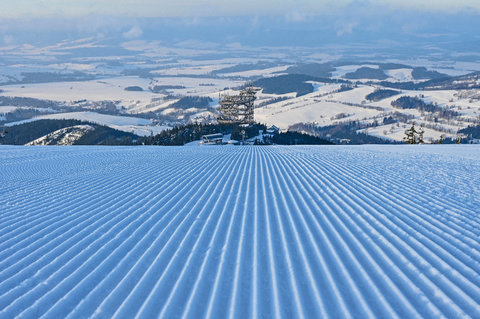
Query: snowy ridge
x,y
368,231
64,136
130,124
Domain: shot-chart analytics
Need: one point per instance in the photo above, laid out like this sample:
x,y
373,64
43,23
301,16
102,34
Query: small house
x,y
212,139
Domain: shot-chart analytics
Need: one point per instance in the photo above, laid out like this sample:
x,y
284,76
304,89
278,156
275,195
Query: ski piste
x,y
240,232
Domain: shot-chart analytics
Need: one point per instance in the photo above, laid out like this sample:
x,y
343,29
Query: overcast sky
x,y
405,25
186,8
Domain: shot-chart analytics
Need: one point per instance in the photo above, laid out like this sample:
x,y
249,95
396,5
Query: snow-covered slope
x,y
240,232
161,98
113,90
64,136
323,107
327,107
136,125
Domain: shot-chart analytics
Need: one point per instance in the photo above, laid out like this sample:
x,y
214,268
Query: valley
x,y
156,90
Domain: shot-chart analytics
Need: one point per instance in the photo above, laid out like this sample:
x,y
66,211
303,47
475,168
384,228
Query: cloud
x,y
196,44
345,28
8,39
141,45
255,21
234,45
216,8
296,16
134,33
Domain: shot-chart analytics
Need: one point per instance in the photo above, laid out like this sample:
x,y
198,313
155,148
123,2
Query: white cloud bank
x,y
184,8
134,33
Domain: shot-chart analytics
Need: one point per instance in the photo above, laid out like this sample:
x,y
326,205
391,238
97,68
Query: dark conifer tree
x,y
410,135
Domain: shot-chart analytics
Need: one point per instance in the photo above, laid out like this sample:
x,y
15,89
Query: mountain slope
x,y
65,136
65,132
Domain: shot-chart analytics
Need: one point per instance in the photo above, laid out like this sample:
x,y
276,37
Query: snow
x,y
322,107
397,133
340,71
193,143
326,107
98,118
7,109
4,78
73,66
268,72
204,117
245,232
139,126
322,113
96,90
316,85
10,109
356,95
113,89
64,136
197,86
190,70
400,75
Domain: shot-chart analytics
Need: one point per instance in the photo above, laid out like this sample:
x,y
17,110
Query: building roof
x,y
212,136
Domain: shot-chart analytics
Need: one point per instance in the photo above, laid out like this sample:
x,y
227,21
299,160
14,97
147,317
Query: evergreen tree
x,y
413,136
410,137
420,135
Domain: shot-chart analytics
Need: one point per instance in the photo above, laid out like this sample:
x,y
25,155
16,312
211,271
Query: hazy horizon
x,y
361,27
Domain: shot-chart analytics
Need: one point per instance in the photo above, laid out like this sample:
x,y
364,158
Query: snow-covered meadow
x,y
238,232
139,126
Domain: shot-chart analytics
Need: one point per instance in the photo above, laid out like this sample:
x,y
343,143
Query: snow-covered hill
x,y
130,124
166,92
64,136
240,232
326,107
91,93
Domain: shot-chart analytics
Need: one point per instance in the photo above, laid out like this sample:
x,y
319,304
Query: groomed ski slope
x,y
240,232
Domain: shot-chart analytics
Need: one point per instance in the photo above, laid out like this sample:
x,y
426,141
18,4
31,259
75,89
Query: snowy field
x,y
326,107
239,232
113,89
139,126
